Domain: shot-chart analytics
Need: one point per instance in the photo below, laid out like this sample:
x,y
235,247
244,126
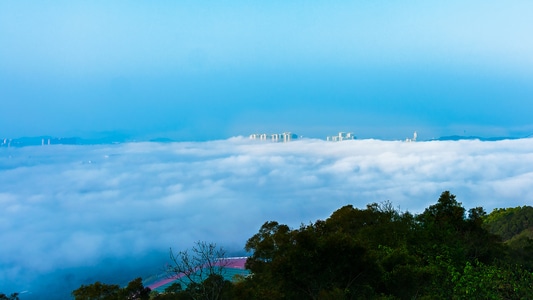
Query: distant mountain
x,y
49,140
39,140
462,137
162,140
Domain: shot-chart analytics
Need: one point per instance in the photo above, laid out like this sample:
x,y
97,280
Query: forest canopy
x,y
379,252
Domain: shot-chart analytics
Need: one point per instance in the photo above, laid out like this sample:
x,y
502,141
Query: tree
x,y
204,261
100,291
312,262
509,222
135,291
96,291
14,296
379,253
447,240
515,227
174,288
480,281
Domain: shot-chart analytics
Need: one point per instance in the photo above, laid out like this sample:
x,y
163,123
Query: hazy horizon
x,y
109,137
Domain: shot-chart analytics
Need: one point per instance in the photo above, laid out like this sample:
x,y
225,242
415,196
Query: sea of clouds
x,y
77,214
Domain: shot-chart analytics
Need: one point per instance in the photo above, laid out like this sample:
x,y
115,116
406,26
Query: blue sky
x,y
208,70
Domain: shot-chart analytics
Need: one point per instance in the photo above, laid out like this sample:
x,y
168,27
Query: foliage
x,y
382,253
96,291
100,291
324,259
14,296
135,290
515,226
174,288
221,289
509,222
482,281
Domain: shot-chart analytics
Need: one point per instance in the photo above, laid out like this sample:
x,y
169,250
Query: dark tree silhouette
x,y
203,262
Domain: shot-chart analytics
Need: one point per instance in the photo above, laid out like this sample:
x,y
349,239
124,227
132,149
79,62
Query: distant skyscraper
x,y
342,136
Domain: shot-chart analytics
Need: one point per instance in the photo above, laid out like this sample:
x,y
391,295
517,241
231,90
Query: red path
x,y
232,263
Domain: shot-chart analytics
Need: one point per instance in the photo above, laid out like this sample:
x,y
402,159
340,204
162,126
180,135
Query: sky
x,y
78,214
204,70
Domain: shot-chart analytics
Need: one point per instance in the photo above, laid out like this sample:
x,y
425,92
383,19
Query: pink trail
x,y
231,263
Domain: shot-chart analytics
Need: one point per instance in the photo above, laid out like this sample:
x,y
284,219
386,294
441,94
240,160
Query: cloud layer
x,y
68,208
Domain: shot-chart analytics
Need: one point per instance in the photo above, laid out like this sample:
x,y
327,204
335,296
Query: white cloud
x,y
68,207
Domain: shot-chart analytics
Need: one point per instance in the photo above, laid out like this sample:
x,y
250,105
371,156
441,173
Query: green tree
x,y
174,288
315,260
377,252
13,296
509,222
213,287
135,290
100,291
97,291
515,227
446,240
447,232
481,281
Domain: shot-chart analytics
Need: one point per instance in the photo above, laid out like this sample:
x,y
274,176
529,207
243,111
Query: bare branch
x,y
204,260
